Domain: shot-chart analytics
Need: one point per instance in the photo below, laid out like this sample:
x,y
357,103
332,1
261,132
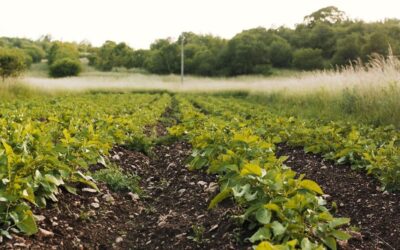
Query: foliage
x,y
252,51
164,57
329,15
281,208
111,55
348,49
35,52
308,59
59,50
247,50
376,42
63,59
12,63
281,53
364,147
65,67
48,142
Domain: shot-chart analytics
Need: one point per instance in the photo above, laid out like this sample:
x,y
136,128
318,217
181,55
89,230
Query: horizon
x,y
94,28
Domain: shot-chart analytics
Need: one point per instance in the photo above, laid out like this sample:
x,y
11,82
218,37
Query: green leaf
x,y
340,235
27,225
265,245
330,242
251,168
336,222
52,179
220,197
311,185
277,228
263,216
71,189
262,233
306,244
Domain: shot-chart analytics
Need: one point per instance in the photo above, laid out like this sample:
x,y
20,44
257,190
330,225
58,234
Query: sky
x,y
140,22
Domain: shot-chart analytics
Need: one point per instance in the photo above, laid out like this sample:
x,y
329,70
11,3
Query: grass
x,y
117,180
372,106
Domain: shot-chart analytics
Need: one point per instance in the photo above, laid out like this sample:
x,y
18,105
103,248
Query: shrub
x,y
12,63
60,50
65,67
36,53
308,59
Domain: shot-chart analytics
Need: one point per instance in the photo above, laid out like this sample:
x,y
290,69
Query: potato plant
x,y
287,212
48,142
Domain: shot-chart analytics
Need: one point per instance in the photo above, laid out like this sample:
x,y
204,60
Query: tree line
x,y
325,39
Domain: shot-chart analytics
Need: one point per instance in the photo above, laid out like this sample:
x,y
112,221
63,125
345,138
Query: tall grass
x,y
368,93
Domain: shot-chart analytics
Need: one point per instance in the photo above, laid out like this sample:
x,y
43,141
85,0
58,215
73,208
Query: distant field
x,y
375,76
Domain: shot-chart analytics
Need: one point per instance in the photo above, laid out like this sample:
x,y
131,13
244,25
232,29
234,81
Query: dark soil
x,y
172,212
357,195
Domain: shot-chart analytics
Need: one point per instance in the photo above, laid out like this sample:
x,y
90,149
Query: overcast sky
x,y
140,22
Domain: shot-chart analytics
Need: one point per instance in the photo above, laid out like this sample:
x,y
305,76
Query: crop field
x,y
164,170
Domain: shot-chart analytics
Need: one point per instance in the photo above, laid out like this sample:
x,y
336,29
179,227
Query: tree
x,y
164,57
137,59
308,59
281,53
348,49
247,50
322,36
35,52
328,15
111,55
12,63
377,42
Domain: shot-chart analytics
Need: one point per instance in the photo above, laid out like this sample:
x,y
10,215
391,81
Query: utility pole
x,y
182,59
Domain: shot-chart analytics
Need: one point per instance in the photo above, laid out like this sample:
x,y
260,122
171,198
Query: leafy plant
x,y
117,180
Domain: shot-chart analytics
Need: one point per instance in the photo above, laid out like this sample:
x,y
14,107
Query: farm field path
x,y
357,196
174,212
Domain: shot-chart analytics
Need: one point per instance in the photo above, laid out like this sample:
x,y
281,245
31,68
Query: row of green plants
x,y
284,211
373,149
47,143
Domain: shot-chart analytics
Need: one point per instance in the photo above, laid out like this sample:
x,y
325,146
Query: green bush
x,y
59,50
12,63
65,67
36,53
308,59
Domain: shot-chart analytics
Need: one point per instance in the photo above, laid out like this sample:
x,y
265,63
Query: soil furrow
x,y
174,213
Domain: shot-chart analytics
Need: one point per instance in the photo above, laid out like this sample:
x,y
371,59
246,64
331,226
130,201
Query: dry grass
x,y
379,72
